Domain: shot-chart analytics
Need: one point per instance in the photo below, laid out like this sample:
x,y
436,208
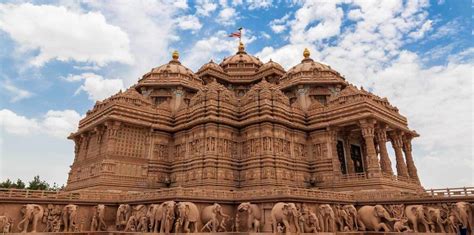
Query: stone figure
x,y
123,214
416,214
285,213
434,217
131,224
98,218
142,224
253,216
53,217
69,217
188,213
400,226
6,224
311,223
341,218
135,220
463,213
162,215
213,215
374,218
327,218
237,223
352,218
32,213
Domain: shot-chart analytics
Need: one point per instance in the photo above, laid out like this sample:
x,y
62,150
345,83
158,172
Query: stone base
x,y
236,233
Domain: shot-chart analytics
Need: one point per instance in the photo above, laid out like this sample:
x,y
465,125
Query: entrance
x,y
357,158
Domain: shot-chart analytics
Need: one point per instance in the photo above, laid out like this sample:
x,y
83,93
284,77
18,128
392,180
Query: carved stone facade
x,y
243,124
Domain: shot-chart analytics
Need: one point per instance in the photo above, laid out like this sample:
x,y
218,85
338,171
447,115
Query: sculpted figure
x,y
400,226
133,223
434,217
416,214
374,218
32,213
123,214
142,224
311,223
285,213
327,218
352,218
463,213
188,214
69,217
253,216
212,217
53,217
161,216
341,218
98,218
6,224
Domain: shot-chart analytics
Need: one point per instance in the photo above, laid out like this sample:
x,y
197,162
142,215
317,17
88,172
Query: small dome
x,y
308,65
211,65
271,64
173,67
241,57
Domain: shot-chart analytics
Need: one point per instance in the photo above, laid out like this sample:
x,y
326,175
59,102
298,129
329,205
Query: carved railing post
x,y
381,138
396,139
368,132
411,168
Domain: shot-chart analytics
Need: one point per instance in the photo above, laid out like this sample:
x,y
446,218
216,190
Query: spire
x,y
175,57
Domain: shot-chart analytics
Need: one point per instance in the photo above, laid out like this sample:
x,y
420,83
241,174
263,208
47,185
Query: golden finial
x,y
241,46
306,53
175,55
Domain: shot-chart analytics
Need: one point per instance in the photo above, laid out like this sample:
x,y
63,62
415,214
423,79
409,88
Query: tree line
x,y
35,184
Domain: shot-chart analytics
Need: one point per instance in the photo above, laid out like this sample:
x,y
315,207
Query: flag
x,y
236,34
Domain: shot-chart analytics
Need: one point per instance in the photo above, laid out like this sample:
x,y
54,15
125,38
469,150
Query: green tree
x,y
38,184
19,184
6,184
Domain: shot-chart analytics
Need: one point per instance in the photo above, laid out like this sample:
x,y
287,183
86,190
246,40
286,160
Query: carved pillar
x,y
381,138
411,168
368,132
396,139
112,132
332,132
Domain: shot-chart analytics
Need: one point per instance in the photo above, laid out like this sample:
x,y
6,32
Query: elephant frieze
x,y
327,218
32,214
374,218
161,216
187,217
462,211
253,216
285,213
123,214
69,218
98,218
213,218
416,215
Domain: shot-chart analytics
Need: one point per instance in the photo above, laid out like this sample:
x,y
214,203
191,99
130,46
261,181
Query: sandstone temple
x,y
241,146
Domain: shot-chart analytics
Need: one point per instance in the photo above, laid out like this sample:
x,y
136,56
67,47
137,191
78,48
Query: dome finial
x,y
175,55
241,47
306,53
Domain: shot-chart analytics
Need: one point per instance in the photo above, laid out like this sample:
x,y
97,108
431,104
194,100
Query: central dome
x,y
241,62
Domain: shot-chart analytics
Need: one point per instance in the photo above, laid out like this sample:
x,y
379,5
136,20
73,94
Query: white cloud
x,y
58,33
58,124
419,33
189,22
15,92
205,7
259,4
97,87
279,25
227,16
265,35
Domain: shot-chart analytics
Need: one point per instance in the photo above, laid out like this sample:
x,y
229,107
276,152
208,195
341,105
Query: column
x,y
368,128
336,164
381,138
397,144
412,172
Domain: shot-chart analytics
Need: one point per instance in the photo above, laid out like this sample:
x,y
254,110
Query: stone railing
x,y
451,192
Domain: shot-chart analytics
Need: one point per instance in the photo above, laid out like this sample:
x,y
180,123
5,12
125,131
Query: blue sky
x,y
58,57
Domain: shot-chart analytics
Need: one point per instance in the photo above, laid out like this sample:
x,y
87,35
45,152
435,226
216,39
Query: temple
x,y
243,124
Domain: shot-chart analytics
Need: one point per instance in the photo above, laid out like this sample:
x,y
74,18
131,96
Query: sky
x,y
58,57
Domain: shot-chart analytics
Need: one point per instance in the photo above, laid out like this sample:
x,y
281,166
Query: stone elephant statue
x,y
69,217
98,218
462,211
253,216
416,214
285,213
161,216
123,214
375,218
434,217
213,218
327,218
341,218
32,213
352,220
188,216
5,224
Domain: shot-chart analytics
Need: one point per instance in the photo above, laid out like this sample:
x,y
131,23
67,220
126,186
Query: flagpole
x,y
240,38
